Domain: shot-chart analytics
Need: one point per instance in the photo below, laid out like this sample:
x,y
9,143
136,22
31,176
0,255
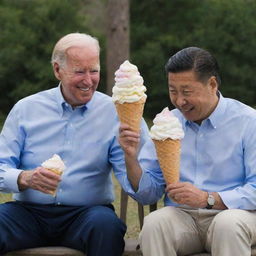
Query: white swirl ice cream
x,y
54,164
129,85
166,125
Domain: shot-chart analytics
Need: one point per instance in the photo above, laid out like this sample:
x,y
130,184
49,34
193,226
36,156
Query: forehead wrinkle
x,y
77,64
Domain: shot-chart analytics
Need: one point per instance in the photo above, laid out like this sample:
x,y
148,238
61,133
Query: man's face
x,y
80,75
196,100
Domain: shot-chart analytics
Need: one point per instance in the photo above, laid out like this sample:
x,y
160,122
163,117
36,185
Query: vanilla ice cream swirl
x,y
166,126
55,162
128,84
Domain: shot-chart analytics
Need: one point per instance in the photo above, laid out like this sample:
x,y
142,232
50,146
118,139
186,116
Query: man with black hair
x,y
212,208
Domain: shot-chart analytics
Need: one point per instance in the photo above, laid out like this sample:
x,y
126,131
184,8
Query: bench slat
x,y
43,251
130,250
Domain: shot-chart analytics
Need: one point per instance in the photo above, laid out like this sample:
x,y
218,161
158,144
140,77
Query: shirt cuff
x,y
10,180
145,193
230,200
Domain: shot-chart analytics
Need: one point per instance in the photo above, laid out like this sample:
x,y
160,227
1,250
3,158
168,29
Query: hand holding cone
x,y
56,165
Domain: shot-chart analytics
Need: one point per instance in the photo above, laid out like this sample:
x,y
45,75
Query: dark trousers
x,y
94,230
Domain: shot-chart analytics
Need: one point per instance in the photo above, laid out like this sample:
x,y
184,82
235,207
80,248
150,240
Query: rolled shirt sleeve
x,y
151,185
11,142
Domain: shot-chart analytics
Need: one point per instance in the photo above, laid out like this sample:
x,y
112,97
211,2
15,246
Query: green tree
x,y
158,30
118,30
29,30
227,29
229,32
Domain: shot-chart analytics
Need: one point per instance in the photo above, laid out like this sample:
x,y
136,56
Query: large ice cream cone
x,y
168,154
129,95
166,134
131,113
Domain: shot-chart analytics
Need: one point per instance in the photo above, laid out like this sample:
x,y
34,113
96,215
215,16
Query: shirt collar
x,y
63,105
217,115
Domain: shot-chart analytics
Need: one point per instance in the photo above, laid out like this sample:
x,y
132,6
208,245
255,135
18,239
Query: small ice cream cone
x,y
131,113
168,153
59,172
56,165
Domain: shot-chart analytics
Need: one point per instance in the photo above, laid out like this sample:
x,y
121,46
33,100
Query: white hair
x,y
71,40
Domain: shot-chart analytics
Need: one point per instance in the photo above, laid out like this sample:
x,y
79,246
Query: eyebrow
x,y
182,86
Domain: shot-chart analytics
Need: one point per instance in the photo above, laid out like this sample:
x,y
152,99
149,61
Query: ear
x,y
56,70
213,83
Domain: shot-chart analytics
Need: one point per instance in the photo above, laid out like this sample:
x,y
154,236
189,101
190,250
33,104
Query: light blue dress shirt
x,y
220,154
43,124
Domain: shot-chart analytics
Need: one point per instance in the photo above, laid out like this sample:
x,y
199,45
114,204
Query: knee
x,y
106,221
157,220
151,221
228,222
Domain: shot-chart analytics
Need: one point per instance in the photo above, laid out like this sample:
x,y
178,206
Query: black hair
x,y
195,59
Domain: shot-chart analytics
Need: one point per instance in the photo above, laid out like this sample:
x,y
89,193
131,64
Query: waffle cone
x,y
168,153
55,171
131,113
53,192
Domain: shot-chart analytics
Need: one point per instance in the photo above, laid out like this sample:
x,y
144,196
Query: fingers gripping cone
x,y
168,153
56,165
59,172
131,113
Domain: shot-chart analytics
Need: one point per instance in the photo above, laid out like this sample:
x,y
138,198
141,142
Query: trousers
x,y
172,231
95,230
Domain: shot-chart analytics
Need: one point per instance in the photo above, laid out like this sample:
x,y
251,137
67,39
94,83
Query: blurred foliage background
x,y
158,29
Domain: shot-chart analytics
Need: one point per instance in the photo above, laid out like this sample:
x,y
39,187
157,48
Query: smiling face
x,y
80,74
196,100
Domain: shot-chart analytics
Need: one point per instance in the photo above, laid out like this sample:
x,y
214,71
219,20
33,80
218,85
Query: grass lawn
x,y
133,226
132,219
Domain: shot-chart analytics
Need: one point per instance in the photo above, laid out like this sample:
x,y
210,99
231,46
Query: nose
x,y
180,100
87,79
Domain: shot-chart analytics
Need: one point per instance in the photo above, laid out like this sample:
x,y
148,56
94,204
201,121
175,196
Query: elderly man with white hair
x,y
80,125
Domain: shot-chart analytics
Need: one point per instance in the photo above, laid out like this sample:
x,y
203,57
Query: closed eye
x,y
173,92
79,72
94,71
187,93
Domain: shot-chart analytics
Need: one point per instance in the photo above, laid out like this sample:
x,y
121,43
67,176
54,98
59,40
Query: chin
x,y
84,101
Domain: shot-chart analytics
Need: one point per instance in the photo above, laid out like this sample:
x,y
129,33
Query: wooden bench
x,y
131,245
130,249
